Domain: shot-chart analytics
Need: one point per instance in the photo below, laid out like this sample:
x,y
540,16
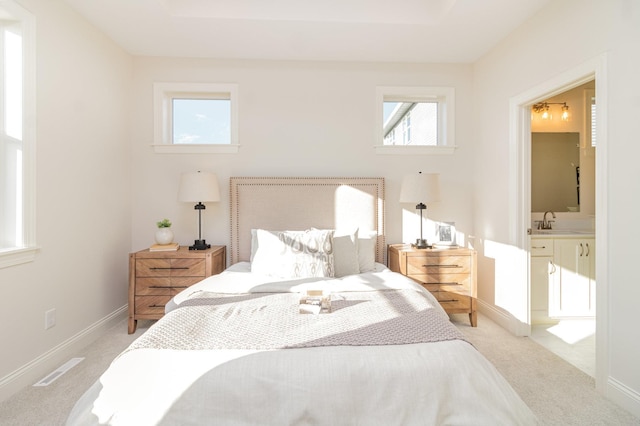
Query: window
x,y
415,120
195,118
17,138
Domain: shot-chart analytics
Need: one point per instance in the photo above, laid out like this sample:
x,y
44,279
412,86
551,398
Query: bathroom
x,y
562,243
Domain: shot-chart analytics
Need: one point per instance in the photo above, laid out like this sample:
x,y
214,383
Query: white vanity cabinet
x,y
573,290
541,266
562,274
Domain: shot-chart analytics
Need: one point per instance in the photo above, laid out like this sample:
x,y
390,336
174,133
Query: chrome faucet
x,y
546,224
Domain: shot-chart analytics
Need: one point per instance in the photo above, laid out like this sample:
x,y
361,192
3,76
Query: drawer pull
x,y
168,267
453,283
156,306
448,300
538,247
442,266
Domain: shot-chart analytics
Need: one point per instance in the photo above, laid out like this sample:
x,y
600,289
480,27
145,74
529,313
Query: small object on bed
x,y
315,302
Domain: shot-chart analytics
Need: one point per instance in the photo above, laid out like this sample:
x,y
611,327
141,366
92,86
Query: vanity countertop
x,y
562,233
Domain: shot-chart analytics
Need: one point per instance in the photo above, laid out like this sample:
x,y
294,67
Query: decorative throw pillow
x,y
294,254
367,251
345,253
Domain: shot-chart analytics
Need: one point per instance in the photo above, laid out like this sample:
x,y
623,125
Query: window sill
x,y
414,150
12,257
195,149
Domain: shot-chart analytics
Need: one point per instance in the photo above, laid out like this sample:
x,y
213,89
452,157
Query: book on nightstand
x,y
164,247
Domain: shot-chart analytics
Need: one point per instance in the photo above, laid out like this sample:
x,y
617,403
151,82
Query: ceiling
x,y
429,31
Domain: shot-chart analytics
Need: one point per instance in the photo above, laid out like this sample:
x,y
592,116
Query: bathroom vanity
x,y
562,273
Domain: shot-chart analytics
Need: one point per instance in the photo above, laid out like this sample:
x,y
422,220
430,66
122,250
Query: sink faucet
x,y
546,224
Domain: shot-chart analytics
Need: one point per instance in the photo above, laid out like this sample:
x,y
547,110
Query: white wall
x,y
537,52
83,195
296,119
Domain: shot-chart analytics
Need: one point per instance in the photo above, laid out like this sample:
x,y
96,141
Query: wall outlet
x,y
49,319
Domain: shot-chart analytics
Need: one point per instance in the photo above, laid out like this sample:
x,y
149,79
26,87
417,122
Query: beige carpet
x,y
557,392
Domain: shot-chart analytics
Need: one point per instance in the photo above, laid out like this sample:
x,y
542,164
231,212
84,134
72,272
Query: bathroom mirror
x,y
555,172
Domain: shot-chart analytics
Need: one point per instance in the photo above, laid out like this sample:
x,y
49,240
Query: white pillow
x,y
345,253
294,254
367,251
254,241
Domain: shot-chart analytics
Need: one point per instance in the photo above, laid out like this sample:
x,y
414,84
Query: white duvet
x,y
443,383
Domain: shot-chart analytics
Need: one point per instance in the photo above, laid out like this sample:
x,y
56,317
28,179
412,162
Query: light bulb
x,y
565,113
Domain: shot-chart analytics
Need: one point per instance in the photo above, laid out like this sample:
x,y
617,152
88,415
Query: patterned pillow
x,y
294,254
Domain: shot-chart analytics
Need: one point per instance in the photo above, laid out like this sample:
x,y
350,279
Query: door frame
x,y
520,191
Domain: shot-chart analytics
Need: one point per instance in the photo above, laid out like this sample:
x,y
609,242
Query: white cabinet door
x,y
541,268
573,279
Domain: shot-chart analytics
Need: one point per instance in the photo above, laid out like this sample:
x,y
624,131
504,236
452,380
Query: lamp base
x,y
199,245
421,244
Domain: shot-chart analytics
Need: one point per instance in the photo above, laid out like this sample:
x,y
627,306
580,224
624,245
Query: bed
x,y
306,326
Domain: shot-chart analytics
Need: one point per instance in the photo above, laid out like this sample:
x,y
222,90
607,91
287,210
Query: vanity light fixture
x,y
198,187
544,110
420,188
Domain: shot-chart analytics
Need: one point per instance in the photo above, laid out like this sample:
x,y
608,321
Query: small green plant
x,y
164,223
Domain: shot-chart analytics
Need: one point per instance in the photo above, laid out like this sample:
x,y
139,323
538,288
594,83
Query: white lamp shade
x,y
198,187
420,188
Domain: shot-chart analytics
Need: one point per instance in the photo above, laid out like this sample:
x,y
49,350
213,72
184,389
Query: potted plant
x,y
164,234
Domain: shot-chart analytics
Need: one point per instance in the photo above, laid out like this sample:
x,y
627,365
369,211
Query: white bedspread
x,y
437,383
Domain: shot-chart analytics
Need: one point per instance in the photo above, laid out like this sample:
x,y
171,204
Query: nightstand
x,y
448,273
156,276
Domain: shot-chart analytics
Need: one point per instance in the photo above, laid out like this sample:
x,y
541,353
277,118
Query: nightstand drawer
x,y
446,282
170,267
452,301
164,285
438,264
151,305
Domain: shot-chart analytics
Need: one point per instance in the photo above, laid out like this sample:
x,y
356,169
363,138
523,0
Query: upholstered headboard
x,y
293,203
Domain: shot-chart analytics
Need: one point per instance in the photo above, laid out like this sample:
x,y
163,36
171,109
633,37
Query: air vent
x,y
52,377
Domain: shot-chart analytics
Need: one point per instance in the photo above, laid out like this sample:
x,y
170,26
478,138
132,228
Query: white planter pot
x,y
164,236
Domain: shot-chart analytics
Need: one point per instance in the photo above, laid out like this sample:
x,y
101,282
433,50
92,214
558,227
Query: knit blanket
x,y
262,321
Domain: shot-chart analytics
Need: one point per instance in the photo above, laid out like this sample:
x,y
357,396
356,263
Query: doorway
x,y
562,308
520,150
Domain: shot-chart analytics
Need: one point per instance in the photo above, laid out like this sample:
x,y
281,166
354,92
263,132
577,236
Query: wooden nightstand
x,y
448,273
156,276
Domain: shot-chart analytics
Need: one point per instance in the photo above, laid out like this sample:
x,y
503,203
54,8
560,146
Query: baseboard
x,y
624,396
504,319
45,363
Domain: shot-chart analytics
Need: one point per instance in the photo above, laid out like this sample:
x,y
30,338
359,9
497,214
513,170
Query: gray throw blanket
x,y
261,321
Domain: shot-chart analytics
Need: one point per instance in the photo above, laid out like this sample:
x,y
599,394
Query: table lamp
x,y
199,187
420,188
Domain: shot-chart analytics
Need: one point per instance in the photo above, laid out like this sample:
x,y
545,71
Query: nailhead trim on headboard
x,y
286,207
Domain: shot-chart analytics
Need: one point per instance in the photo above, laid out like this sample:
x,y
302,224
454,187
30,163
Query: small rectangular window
x,y
201,121
414,120
195,118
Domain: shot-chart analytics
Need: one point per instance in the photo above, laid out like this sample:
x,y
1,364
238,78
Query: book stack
x,y
165,247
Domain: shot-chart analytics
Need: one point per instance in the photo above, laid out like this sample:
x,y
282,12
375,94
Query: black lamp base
x,y
199,245
421,244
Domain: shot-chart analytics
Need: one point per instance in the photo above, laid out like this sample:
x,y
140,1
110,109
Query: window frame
x,y
16,255
444,96
163,96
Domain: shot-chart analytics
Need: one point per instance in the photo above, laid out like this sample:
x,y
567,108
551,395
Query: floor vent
x,y
52,377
